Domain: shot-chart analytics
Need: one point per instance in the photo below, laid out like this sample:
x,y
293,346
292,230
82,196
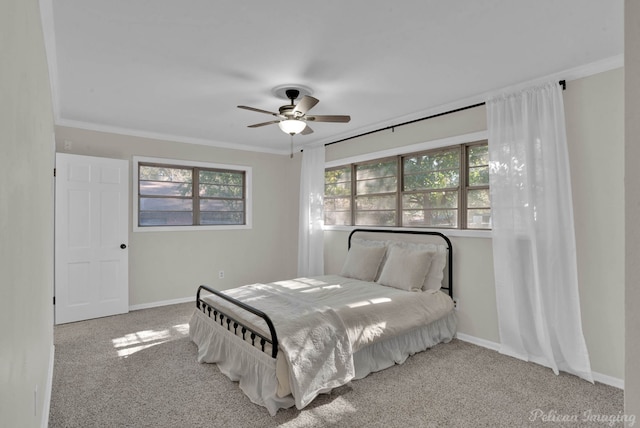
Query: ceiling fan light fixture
x,y
292,126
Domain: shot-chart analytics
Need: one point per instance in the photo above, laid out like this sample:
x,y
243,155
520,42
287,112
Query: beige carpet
x,y
140,370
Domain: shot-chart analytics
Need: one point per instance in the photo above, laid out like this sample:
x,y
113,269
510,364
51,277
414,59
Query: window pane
x,y
479,176
337,182
387,202
376,210
433,218
337,211
221,184
435,170
377,177
435,161
430,200
164,188
163,218
221,205
479,219
478,198
165,204
378,185
479,155
432,180
388,168
478,165
221,217
221,191
337,189
376,218
162,173
221,177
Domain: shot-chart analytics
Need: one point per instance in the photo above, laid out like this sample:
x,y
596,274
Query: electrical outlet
x,y
221,274
456,304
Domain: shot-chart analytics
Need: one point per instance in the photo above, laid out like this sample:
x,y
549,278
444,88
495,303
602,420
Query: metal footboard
x,y
232,324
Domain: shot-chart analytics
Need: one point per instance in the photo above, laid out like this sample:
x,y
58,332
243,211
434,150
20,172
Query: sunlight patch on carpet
x,y
134,342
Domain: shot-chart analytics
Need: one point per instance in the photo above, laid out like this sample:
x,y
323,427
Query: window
x,y
442,188
190,194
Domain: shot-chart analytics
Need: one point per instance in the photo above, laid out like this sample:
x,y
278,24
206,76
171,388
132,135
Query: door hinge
x,y
54,300
54,172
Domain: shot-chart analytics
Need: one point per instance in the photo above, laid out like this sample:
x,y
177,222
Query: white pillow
x,y
363,262
435,275
405,268
436,271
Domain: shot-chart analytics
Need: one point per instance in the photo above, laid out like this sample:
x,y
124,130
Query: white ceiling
x,y
178,69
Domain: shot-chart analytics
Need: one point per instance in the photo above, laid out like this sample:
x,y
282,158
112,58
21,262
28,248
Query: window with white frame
x,y
441,188
179,194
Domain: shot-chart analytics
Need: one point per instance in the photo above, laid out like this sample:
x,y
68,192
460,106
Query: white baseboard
x,y
477,341
46,402
162,303
494,346
608,380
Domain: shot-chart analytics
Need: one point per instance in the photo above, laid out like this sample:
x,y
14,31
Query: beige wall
x,y
462,122
26,218
632,211
594,115
165,266
594,110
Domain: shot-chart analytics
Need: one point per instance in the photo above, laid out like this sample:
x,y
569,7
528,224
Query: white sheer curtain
x,y
534,247
310,236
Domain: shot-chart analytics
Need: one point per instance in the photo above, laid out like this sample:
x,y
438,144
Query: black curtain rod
x,y
562,83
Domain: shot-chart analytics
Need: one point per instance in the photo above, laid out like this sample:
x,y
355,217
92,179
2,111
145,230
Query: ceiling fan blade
x,y
258,110
305,104
329,118
257,125
307,130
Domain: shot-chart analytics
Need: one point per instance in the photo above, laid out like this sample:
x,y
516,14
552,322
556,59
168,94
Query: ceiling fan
x,y
293,118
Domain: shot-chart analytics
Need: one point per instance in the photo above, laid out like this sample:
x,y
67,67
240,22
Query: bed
x,y
288,341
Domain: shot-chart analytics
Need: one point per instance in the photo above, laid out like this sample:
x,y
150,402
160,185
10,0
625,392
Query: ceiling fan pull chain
x,y
291,156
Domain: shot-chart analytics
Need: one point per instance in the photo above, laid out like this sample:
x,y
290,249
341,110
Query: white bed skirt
x,y
256,370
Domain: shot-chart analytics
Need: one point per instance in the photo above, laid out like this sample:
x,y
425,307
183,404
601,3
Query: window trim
x,y
456,233
247,170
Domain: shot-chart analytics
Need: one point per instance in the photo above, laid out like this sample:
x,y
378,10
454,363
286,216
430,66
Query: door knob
x,y
123,246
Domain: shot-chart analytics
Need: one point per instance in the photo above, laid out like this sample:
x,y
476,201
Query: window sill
x,y
188,228
455,233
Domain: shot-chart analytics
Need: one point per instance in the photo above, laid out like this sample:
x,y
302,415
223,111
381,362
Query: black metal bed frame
x,y
232,324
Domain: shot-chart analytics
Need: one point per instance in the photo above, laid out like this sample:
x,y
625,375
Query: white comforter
x,y
322,321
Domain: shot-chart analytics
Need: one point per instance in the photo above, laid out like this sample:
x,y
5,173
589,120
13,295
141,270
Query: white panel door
x,y
91,237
